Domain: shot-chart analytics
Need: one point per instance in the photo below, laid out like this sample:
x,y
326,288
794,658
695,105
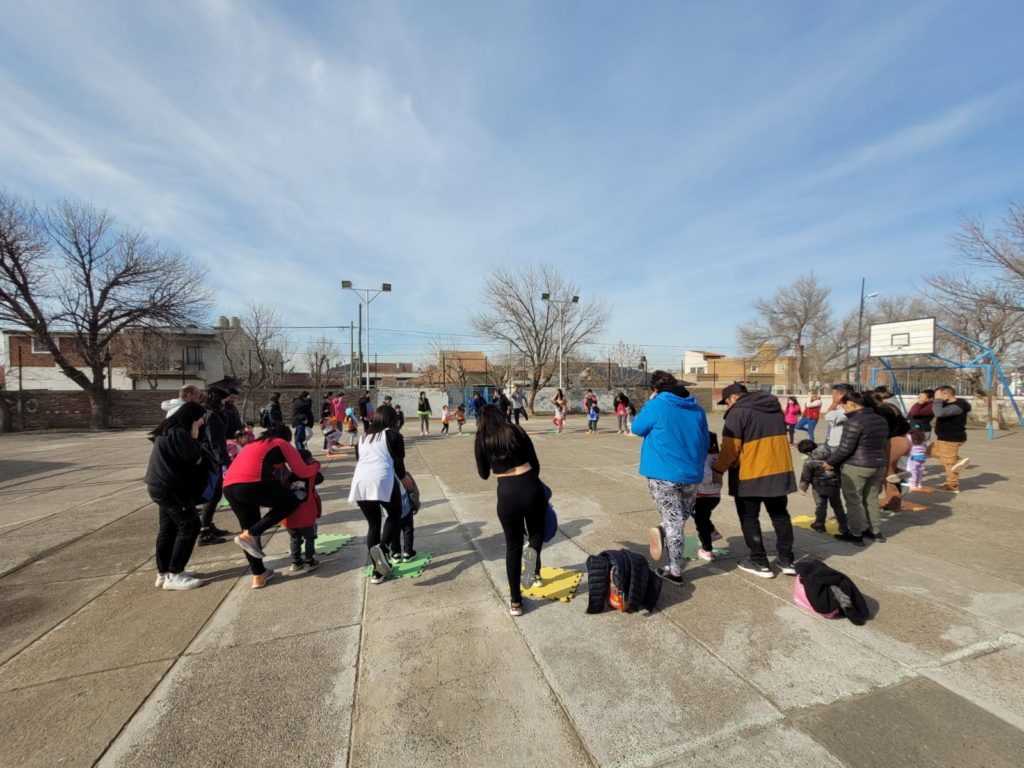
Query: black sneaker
x,y
849,538
312,563
407,556
819,527
665,573
757,569
296,567
786,566
879,537
218,531
206,538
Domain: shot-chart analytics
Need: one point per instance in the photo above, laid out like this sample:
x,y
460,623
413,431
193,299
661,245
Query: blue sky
x,y
678,159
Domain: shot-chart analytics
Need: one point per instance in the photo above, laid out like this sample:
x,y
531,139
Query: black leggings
x,y
372,512
521,499
702,519
247,498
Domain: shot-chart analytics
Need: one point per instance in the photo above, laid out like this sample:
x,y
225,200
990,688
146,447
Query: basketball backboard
x,y
906,337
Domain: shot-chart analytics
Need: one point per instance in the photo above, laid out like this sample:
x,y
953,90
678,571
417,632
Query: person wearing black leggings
x,y
254,480
380,466
507,451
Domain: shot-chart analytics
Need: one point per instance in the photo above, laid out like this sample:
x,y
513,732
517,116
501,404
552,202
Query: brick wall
x,y
54,409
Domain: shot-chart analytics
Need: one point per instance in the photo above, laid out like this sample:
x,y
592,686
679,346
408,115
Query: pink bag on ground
x,y
800,598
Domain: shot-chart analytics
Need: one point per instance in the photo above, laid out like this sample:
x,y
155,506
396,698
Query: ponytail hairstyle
x,y
917,436
215,397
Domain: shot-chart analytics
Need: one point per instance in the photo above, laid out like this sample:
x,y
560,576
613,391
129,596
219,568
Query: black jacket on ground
x,y
173,473
640,587
951,420
864,441
828,590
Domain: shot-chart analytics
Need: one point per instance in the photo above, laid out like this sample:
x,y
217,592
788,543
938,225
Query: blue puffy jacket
x,y
675,433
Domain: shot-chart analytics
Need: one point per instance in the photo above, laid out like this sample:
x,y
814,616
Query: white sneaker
x,y
961,465
179,581
161,577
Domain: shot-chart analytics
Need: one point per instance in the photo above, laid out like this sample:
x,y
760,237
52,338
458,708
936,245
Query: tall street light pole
x,y
860,327
364,294
562,304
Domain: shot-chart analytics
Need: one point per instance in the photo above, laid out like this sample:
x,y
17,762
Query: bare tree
x,y
75,280
255,352
624,357
319,357
788,320
515,314
146,353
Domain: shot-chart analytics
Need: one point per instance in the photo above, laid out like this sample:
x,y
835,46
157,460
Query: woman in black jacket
x,y
176,477
862,456
215,446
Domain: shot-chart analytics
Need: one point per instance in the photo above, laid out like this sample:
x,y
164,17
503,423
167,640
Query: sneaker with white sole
x,y
161,576
706,554
179,581
786,566
896,477
381,566
250,545
377,578
749,566
260,581
664,572
961,465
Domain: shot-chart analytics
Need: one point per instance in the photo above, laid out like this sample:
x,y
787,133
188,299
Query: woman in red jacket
x,y
257,479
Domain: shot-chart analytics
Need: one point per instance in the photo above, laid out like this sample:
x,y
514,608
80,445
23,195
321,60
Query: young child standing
x,y
460,416
446,418
593,414
351,426
709,493
406,528
917,457
301,524
622,413
824,484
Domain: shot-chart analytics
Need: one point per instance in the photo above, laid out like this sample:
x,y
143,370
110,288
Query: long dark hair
x,y
495,435
215,397
794,400
187,415
385,417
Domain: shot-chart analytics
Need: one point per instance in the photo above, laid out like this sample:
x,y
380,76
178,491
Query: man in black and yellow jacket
x,y
755,450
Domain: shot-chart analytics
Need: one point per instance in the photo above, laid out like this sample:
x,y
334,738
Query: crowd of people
x,y
870,452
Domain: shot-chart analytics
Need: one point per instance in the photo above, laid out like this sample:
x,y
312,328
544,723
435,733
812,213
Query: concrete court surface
x,y
324,669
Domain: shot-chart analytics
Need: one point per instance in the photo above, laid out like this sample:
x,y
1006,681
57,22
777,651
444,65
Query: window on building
x,y
780,367
753,369
194,357
698,369
38,347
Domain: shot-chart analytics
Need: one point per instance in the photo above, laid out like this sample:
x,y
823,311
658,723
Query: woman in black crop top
x,y
507,451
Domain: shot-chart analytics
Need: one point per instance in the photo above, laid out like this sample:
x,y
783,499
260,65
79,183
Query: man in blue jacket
x,y
672,458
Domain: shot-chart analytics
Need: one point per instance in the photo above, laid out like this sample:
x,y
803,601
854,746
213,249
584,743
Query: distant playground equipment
x,y
907,338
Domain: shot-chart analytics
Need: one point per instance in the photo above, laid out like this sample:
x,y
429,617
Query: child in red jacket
x,y
301,523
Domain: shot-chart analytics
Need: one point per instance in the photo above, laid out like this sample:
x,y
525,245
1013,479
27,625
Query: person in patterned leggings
x,y
675,432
